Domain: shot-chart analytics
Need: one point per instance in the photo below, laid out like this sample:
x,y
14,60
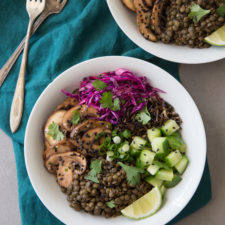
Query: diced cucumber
x,y
160,146
163,190
174,182
145,158
161,164
134,152
170,127
138,143
176,142
163,174
173,158
182,164
109,155
154,181
153,169
153,133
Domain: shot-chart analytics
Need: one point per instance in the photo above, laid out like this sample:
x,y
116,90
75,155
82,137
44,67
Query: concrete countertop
x,y
206,84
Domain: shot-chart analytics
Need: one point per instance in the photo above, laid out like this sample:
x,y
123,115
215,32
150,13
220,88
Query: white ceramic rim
x,y
99,61
173,53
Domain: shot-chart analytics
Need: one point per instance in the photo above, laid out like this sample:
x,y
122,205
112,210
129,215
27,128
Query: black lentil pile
x,y
181,30
92,197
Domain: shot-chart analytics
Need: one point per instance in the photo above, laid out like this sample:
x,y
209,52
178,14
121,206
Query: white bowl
x,y
181,54
193,132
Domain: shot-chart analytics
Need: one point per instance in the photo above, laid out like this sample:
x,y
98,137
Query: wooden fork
x,y
34,9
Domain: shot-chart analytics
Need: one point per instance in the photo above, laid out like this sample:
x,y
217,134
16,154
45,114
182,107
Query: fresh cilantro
x,y
106,99
221,10
54,132
96,168
133,173
143,116
116,104
110,204
125,133
99,85
197,13
75,117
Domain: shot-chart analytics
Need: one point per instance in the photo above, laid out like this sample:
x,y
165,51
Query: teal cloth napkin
x,y
85,29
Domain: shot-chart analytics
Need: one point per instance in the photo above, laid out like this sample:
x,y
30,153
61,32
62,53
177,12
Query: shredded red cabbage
x,y
132,91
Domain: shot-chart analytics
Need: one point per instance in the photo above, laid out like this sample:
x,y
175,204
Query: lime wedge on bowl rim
x,y
145,206
217,38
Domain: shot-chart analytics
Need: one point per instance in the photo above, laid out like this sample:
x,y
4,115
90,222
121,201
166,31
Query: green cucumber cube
x,y
176,142
182,164
176,180
153,133
160,146
161,164
153,169
163,190
135,152
138,143
145,158
170,127
154,181
173,158
163,174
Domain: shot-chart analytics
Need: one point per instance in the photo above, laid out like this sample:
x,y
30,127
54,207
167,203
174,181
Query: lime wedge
x,y
217,38
145,206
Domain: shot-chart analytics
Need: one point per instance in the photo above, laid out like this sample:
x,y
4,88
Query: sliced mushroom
x,y
83,110
89,124
157,12
68,103
144,20
56,117
68,167
90,136
129,4
51,150
76,158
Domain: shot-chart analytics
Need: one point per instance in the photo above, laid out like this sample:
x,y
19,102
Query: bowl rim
x,y
97,60
172,57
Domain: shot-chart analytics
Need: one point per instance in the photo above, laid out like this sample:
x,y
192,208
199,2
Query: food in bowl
x,y
182,22
115,146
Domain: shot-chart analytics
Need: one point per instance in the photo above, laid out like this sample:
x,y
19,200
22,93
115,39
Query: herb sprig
x,y
54,132
96,168
197,13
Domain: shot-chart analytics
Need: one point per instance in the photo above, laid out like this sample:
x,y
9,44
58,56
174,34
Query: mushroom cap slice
x,y
129,4
83,110
56,117
89,124
90,136
68,103
51,150
53,161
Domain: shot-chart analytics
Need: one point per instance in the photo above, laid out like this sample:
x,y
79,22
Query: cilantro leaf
x,y
143,116
197,13
99,85
96,168
106,99
54,132
116,104
133,173
75,117
221,10
125,133
110,204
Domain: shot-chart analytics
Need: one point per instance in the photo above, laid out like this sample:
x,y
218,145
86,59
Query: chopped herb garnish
x,y
75,117
116,104
54,132
96,168
106,99
99,85
125,133
221,10
133,173
197,13
66,169
143,116
114,133
110,204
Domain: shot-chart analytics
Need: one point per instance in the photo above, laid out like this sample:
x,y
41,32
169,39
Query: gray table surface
x,y
206,84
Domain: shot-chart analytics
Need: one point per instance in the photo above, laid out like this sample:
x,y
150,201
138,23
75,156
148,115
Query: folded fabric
x,y
85,29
